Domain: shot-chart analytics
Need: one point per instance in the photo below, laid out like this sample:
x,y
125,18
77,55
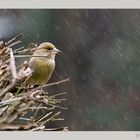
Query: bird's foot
x,y
42,91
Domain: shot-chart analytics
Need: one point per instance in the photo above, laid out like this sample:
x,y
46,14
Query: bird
x,y
42,63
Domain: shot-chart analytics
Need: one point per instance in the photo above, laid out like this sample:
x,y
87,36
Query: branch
x,y
15,39
15,43
28,56
14,74
57,83
13,65
50,84
57,129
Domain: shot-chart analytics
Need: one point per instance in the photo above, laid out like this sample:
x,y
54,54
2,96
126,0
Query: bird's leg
x,y
41,89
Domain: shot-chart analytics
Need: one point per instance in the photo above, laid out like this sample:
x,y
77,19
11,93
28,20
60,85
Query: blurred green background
x,y
101,57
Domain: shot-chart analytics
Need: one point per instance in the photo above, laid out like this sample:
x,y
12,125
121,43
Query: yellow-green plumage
x,y
42,71
43,65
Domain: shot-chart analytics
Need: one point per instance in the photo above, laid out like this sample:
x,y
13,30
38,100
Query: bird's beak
x,y
55,51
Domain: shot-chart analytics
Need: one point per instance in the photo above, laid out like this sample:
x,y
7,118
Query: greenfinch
x,y
42,63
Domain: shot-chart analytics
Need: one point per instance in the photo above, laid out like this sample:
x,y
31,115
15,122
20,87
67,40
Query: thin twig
x,y
16,50
15,43
22,85
38,128
52,84
27,56
10,100
56,83
51,118
41,107
26,119
44,117
13,39
57,129
32,47
36,111
59,94
56,106
59,100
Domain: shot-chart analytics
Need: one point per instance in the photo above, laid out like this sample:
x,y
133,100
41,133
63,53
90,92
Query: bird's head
x,y
47,49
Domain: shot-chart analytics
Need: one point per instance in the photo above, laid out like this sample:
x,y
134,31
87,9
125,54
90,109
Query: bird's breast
x,y
42,71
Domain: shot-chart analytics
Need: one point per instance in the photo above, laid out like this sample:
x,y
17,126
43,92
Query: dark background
x,y
101,57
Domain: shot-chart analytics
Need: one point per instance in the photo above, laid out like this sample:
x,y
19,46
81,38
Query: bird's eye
x,y
49,48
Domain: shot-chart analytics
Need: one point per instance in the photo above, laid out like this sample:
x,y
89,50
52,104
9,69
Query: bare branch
x,y
57,129
58,94
13,39
56,83
16,50
18,97
15,43
10,100
13,65
38,128
28,56
44,117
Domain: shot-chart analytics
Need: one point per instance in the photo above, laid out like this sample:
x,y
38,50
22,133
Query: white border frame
x,y
72,4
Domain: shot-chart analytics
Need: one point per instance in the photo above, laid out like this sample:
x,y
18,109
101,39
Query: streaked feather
x,y
42,71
